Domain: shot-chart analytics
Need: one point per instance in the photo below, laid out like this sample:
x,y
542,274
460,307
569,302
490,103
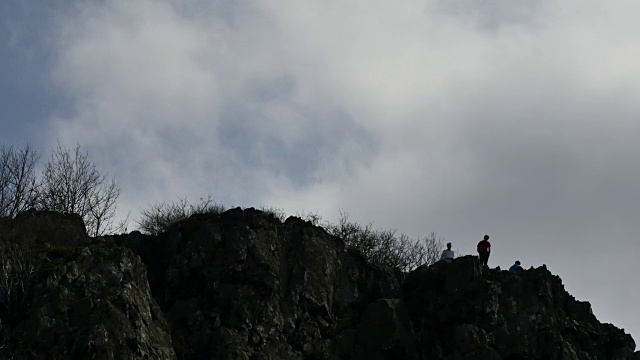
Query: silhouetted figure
x,y
448,255
515,266
484,250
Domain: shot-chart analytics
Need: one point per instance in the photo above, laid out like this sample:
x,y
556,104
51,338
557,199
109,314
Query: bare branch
x,y
385,247
18,180
72,183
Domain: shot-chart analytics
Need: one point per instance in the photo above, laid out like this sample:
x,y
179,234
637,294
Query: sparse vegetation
x,y
161,215
278,213
385,247
313,217
382,247
17,268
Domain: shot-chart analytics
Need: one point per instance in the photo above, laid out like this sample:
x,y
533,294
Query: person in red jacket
x,y
484,250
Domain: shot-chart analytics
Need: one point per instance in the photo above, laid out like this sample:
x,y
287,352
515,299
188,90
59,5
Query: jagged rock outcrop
x,y
467,311
88,299
97,305
243,285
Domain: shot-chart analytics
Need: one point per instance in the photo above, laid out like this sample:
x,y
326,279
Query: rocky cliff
x,y
243,285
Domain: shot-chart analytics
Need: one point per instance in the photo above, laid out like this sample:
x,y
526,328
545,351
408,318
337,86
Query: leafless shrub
x,y
385,247
313,217
426,250
18,180
72,183
158,217
206,205
16,273
278,213
122,225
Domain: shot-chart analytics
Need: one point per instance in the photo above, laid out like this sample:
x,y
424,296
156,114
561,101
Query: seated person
x,y
515,266
448,255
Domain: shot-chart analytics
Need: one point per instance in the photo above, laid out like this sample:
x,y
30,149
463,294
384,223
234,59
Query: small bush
x,y
160,216
277,213
280,214
313,217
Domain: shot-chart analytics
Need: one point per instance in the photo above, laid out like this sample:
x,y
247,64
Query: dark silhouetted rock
x,y
473,312
96,306
244,285
44,227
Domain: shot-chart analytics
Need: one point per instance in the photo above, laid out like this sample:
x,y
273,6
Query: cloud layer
x,y
517,119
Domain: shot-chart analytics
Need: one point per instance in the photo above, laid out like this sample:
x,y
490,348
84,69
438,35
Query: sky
x,y
517,119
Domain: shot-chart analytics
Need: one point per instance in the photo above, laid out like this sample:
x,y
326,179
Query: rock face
x,y
243,285
467,311
88,299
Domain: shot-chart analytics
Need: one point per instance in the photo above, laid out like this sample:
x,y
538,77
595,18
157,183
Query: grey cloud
x,y
232,14
27,96
492,15
265,90
319,134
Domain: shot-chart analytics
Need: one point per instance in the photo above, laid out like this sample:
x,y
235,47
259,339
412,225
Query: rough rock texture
x,y
46,226
243,285
467,311
85,302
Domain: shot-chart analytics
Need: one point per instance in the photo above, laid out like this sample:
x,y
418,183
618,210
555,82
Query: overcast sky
x,y
519,119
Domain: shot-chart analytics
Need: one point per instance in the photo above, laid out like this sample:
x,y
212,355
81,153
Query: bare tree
x,y
72,183
385,247
161,215
18,180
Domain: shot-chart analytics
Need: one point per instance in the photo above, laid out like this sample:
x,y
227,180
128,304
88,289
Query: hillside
x,y
243,285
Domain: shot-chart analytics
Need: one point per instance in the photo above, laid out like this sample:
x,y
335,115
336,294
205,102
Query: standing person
x,y
515,266
448,255
484,250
